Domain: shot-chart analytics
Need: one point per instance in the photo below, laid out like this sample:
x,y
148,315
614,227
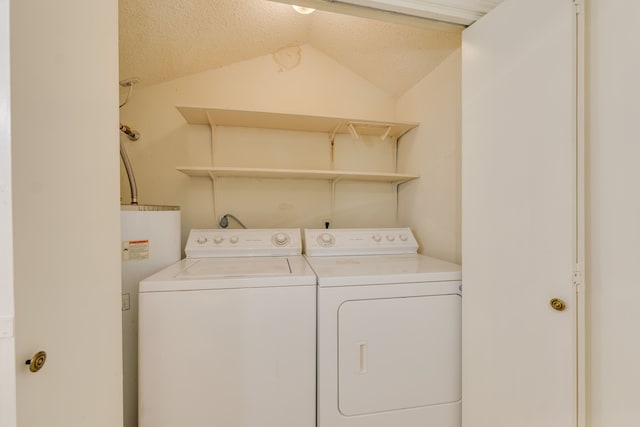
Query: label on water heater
x,y
135,250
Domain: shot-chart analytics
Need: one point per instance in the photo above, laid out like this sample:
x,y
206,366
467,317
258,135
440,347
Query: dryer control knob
x,y
403,237
201,240
390,237
280,239
377,237
218,239
234,239
325,239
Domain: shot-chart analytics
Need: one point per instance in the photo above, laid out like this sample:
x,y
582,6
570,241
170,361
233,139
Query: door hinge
x,y
578,277
579,6
6,326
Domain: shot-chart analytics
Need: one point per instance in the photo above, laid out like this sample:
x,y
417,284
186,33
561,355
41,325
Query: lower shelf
x,y
217,172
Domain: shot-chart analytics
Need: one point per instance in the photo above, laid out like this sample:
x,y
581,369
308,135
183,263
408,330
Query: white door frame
x,y
579,275
7,340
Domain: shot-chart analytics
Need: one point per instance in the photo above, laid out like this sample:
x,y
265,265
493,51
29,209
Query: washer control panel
x,y
210,243
359,241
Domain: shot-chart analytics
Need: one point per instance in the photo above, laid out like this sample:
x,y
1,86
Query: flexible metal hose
x,y
129,169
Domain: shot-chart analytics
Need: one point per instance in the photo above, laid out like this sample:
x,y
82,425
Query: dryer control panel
x,y
212,243
359,241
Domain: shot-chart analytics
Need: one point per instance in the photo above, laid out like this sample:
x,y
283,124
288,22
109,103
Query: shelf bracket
x,y
399,182
332,151
385,128
386,133
352,131
394,153
333,196
214,183
332,142
396,186
397,199
212,125
332,135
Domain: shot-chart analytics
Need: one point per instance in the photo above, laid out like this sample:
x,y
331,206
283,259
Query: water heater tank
x,y
150,241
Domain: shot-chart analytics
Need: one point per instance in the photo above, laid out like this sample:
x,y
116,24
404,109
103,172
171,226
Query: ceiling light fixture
x,y
303,10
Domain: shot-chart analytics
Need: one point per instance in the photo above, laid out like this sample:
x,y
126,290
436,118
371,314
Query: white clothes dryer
x,y
389,330
227,335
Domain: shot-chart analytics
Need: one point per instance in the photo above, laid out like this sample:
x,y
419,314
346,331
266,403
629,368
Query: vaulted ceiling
x,y
161,40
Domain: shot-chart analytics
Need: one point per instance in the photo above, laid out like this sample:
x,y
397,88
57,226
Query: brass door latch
x,y
37,361
558,304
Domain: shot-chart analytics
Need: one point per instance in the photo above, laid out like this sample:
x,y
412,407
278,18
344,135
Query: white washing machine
x,y
389,330
227,335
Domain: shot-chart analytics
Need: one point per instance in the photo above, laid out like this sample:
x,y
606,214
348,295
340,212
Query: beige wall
x,y
431,206
614,214
318,85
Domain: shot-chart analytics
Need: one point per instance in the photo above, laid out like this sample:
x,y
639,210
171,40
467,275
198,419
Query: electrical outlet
x,y
126,302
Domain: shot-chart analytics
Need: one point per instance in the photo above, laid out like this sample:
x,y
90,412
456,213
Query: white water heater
x,y
150,241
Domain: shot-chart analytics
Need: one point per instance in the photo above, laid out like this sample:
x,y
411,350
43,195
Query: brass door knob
x,y
37,361
558,304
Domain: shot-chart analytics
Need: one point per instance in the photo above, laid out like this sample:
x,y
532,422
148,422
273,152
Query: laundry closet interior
x,y
287,120
262,56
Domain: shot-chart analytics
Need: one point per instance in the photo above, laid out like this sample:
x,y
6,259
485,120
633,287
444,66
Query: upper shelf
x,y
299,122
215,172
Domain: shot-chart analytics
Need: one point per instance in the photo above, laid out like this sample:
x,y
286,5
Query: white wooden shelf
x,y
218,172
298,122
294,122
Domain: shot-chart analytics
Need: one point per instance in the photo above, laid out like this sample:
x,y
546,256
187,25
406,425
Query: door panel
x,y
7,340
398,353
64,159
228,357
518,233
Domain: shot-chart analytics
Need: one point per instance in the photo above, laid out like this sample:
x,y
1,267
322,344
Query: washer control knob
x,y
280,239
326,239
201,240
403,237
390,237
218,239
377,237
234,239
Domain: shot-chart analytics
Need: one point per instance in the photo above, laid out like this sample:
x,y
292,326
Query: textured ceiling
x,y
463,12
161,40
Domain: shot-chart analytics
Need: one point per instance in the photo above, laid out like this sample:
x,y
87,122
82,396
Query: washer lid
x,y
206,268
382,269
229,273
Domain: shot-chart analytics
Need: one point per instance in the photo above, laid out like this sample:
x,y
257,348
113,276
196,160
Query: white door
x,y
519,238
63,202
7,341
